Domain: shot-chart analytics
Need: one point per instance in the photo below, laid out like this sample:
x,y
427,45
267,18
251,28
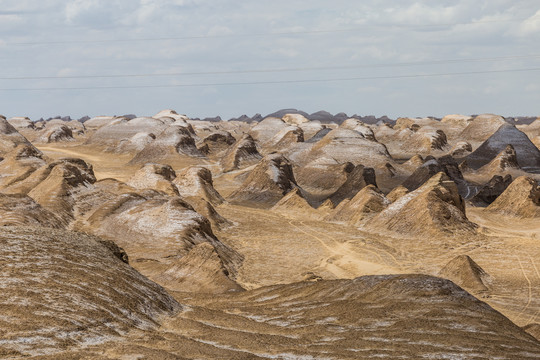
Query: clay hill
x,y
267,183
434,207
527,154
243,153
466,273
521,198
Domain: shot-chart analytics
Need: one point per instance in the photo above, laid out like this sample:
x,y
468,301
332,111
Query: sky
x,y
222,57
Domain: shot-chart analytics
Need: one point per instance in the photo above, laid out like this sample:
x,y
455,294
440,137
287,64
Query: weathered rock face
x,y
357,179
155,176
491,190
56,133
364,205
66,290
345,145
432,166
463,271
481,128
201,271
526,153
507,159
397,193
243,153
294,202
173,141
196,181
55,183
521,198
216,142
267,183
10,138
21,210
461,149
434,208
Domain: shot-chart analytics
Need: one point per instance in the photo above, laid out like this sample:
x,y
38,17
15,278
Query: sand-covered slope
x,y
267,183
434,208
371,317
521,198
62,289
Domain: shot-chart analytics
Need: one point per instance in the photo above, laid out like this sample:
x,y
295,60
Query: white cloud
x,y
382,31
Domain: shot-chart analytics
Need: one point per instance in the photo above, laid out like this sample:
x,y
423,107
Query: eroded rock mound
x,y
10,138
357,179
491,190
526,153
435,207
56,182
364,205
201,270
216,142
173,141
481,128
432,166
461,149
155,176
67,290
397,193
196,181
506,160
242,154
521,198
346,145
267,183
463,271
294,202
19,164
21,210
56,133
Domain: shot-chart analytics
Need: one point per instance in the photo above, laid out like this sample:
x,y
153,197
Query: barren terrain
x,y
284,238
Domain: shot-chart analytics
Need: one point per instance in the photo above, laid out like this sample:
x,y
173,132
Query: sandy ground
x,y
282,249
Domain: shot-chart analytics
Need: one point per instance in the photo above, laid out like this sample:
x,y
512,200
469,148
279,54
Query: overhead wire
x,y
297,69
273,81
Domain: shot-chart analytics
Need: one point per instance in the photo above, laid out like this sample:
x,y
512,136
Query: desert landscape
x,y
287,236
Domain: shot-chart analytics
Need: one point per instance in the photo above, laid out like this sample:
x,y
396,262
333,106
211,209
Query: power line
x,y
273,82
248,35
433,62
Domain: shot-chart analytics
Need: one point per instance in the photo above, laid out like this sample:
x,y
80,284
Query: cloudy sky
x,y
224,57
